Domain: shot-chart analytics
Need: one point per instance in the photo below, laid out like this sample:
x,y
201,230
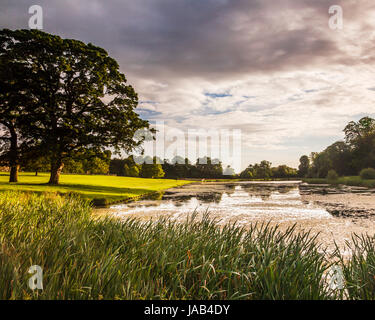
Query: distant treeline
x,y
264,170
204,168
176,168
92,162
346,158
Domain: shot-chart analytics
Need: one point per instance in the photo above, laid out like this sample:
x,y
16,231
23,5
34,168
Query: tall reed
x,y
86,258
359,268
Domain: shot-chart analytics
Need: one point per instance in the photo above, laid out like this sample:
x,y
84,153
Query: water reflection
x,y
244,201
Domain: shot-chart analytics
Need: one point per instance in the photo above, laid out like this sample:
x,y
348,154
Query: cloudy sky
x,y
274,69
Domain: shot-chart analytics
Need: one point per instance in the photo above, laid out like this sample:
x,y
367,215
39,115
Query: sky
x,y
275,70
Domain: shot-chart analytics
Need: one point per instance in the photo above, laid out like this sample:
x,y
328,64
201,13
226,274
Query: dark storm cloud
x,y
193,38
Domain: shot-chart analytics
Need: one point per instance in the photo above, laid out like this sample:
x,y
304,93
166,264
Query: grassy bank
x,y
349,181
101,189
86,258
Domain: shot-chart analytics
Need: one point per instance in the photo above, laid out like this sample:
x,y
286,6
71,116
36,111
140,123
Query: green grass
x,y
101,189
359,270
104,258
349,181
86,258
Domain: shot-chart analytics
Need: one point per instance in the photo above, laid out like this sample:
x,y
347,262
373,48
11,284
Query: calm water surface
x,y
279,203
243,201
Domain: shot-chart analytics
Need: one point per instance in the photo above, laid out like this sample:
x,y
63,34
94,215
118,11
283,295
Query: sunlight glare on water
x,y
245,202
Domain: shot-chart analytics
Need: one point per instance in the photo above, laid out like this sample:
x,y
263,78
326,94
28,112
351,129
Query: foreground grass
x,y
102,189
83,258
86,258
349,181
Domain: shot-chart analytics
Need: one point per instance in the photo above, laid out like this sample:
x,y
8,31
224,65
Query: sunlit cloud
x,y
275,70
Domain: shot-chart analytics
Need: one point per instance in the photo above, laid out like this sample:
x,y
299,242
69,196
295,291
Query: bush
x,y
332,175
153,171
368,173
99,202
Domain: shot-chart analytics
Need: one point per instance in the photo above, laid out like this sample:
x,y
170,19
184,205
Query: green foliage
x,y
320,165
67,81
36,163
247,173
349,157
258,171
117,167
349,181
13,114
332,175
84,258
304,166
359,269
284,171
151,171
96,165
131,171
265,171
105,258
368,173
73,166
100,202
88,162
131,168
179,167
206,167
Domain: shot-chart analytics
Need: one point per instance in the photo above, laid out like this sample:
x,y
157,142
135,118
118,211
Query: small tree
x,y
95,165
73,166
304,166
35,162
152,171
368,173
131,170
116,166
332,175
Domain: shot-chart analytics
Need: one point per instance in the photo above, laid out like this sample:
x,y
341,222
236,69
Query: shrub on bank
x,y
368,173
332,176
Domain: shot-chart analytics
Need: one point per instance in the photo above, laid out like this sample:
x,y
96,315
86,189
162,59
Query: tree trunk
x,y
13,155
56,168
13,177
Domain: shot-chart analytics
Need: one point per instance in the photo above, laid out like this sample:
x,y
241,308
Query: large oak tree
x,y
13,115
78,98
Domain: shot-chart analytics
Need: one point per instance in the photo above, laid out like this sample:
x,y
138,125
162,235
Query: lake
x,y
332,213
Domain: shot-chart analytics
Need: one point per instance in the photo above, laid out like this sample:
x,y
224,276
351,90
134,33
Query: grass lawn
x,y
349,181
101,189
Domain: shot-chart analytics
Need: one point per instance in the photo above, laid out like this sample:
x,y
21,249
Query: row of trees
x,y
58,98
206,168
346,157
176,168
89,163
264,170
130,168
